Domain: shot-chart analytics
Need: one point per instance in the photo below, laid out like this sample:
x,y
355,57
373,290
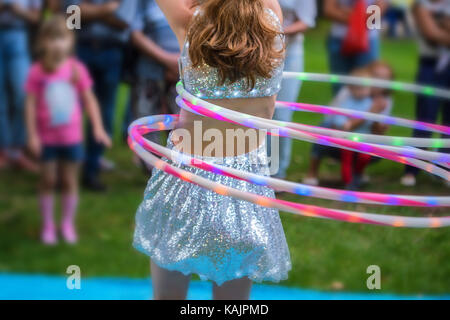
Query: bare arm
x,y
178,14
429,28
296,27
353,124
333,11
29,15
378,106
103,12
383,4
152,50
91,11
33,141
379,128
93,111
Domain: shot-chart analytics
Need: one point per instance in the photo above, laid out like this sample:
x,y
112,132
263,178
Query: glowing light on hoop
x,y
393,148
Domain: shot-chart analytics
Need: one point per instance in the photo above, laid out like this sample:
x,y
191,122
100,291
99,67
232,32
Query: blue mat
x,y
43,287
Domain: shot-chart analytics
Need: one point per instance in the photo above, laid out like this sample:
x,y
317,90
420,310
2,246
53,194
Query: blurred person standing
x,y
100,44
398,11
153,91
340,13
15,18
299,16
57,87
432,18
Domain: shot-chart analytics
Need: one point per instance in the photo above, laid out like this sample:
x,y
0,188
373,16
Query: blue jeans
x,y
428,108
290,89
393,16
14,65
104,65
342,64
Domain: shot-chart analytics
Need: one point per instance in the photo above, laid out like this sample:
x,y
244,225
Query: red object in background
x,y
353,163
357,39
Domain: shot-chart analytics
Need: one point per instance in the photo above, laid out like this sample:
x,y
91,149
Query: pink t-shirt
x,y
58,104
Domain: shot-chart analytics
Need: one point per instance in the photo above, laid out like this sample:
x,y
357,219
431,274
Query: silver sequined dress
x,y
187,228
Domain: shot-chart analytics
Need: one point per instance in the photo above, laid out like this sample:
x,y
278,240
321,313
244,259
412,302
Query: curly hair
x,y
236,38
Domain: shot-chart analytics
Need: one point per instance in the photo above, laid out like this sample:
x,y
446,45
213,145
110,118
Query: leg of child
x,y
317,153
362,160
347,166
47,185
69,175
313,171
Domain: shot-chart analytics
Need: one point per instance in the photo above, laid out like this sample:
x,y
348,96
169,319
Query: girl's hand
x,y
35,147
347,126
16,8
112,6
102,137
379,105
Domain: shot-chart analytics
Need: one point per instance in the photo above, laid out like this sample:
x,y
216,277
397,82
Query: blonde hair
x,y
235,37
361,72
381,64
52,28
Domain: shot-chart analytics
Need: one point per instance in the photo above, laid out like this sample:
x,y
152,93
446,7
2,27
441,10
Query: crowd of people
x,y
48,77
431,18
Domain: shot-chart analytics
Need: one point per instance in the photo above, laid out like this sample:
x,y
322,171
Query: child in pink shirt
x,y
57,87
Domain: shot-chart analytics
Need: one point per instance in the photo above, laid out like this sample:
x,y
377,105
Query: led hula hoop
x,y
399,149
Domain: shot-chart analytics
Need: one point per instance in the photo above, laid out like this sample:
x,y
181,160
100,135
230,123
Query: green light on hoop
x,y
397,142
356,138
334,79
428,90
437,143
397,86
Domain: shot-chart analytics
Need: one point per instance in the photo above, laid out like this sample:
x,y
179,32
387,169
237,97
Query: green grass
x,y
325,254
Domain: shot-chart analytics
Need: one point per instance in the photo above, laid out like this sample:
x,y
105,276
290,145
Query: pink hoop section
x,y
146,150
400,149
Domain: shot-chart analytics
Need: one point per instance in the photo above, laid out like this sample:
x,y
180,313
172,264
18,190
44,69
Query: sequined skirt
x,y
187,228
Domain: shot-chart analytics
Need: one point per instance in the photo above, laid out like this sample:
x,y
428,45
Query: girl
x,y
381,102
16,20
232,53
431,17
57,85
353,163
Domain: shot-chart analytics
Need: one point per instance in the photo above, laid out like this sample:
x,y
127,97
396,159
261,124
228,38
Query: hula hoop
x,y
403,155
145,149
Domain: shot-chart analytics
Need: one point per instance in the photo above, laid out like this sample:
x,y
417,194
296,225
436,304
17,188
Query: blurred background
x,y
125,55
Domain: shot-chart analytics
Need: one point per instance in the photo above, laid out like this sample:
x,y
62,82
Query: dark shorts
x,y
320,151
72,153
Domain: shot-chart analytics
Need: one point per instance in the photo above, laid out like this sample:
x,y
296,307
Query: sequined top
x,y
203,81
